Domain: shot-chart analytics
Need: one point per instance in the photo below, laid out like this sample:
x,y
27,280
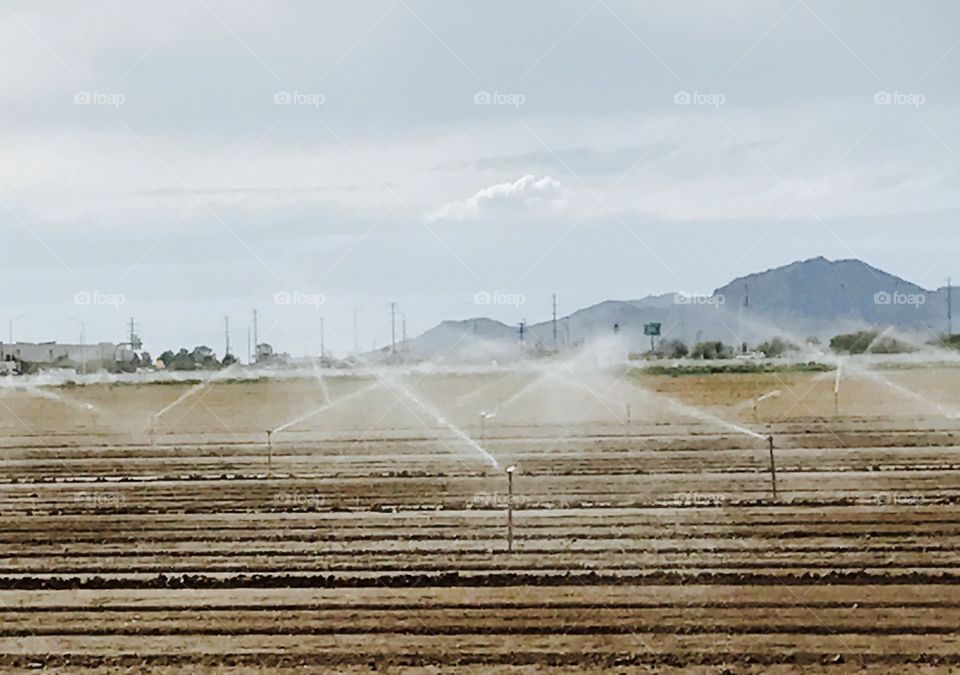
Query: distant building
x,y
56,354
265,356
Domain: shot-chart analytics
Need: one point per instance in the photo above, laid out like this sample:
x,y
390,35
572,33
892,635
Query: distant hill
x,y
816,297
819,293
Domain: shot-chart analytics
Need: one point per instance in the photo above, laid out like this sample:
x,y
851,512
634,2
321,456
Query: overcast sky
x,y
180,161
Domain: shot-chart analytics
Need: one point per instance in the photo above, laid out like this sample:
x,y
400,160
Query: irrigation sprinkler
x,y
152,420
759,399
628,413
510,470
269,450
484,416
773,468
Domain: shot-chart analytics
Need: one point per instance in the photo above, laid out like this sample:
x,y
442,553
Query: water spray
x,y
173,404
836,389
510,471
773,468
759,399
399,390
326,406
484,416
53,396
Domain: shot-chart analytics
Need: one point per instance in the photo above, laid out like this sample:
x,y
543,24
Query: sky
x,y
186,161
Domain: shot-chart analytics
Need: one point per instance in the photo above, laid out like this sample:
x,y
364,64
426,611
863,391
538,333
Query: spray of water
x,y
53,396
951,413
326,406
323,383
181,398
699,413
196,388
770,394
537,380
397,387
876,339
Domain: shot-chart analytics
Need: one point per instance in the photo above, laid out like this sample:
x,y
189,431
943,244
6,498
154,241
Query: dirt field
x,y
372,535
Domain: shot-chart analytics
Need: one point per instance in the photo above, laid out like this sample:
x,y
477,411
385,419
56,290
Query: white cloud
x,y
527,192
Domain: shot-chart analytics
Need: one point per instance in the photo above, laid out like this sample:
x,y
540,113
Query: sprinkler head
x,y
511,469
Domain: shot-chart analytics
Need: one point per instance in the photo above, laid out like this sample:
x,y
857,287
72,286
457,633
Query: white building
x,y
51,353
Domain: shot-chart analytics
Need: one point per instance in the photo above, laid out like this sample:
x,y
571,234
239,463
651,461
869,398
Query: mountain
x,y
820,293
816,297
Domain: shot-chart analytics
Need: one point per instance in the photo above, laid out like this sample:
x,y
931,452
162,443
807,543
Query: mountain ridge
x,y
813,297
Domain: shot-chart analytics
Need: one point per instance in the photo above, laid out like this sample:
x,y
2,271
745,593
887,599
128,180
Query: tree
x,y
672,349
183,361
867,341
712,350
776,347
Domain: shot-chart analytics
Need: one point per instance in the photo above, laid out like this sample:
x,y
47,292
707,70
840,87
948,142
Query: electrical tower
x,y
555,321
393,327
135,343
949,308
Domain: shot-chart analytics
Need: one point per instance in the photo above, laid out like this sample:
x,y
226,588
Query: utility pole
x,y
226,334
248,345
510,470
356,346
746,304
393,327
403,328
83,342
949,307
322,347
773,468
555,321
255,336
